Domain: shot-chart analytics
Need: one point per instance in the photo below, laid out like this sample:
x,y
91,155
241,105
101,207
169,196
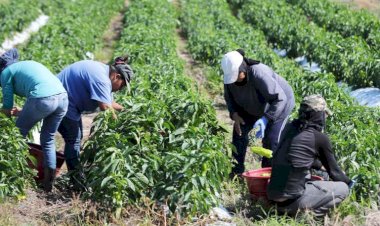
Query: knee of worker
x,y
47,138
340,190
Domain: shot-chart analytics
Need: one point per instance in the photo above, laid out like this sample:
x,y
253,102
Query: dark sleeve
x,y
324,149
271,90
231,104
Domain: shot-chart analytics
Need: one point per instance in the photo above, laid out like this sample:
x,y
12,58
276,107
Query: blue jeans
x,y
51,110
270,140
72,133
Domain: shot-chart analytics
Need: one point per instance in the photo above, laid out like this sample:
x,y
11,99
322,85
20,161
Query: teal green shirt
x,y
28,79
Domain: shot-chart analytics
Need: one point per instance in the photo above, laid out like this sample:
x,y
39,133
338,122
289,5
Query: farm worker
x,y
89,85
46,99
303,146
256,97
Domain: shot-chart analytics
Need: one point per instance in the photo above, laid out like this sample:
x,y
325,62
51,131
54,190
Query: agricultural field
x,y
166,159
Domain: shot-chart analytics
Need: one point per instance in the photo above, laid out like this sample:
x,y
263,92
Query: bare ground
x,y
371,5
195,70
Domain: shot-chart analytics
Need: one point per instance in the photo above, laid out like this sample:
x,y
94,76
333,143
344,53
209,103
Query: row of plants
x,y
75,28
349,59
16,15
166,146
212,31
15,174
340,18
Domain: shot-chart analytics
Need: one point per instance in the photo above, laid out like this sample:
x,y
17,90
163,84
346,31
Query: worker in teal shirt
x,y
46,99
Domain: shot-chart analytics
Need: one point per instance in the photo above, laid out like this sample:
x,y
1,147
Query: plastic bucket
x,y
36,151
257,181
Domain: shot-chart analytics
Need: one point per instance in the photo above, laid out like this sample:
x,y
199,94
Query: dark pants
x,y
71,132
271,138
270,141
319,197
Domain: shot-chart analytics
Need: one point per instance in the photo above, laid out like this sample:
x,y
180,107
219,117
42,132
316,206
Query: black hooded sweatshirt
x,y
303,146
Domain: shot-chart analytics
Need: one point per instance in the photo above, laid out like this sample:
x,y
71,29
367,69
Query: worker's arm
x,y
328,160
271,91
231,104
104,106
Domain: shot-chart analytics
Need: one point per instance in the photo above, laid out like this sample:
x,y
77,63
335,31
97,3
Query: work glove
x,y
261,124
351,184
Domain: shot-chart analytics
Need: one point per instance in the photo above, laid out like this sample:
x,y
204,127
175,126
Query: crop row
x,y
74,28
212,31
167,145
14,172
340,18
349,59
16,15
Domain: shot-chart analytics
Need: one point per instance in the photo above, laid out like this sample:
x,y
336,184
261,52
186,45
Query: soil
x,y
194,70
371,5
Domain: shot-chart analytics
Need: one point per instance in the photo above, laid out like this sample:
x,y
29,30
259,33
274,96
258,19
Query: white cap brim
x,y
230,63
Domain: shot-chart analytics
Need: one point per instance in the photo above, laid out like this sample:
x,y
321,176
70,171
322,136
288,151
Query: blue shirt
x,y
87,82
28,79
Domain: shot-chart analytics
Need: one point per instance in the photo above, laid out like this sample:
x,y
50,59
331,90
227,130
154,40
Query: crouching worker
x,y
89,85
46,99
304,146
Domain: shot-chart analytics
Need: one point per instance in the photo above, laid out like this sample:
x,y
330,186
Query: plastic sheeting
x,y
369,97
20,38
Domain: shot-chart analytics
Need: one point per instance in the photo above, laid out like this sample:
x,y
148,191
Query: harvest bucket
x,y
257,181
36,151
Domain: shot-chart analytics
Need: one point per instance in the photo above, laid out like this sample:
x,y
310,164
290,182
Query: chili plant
x,y
15,175
167,146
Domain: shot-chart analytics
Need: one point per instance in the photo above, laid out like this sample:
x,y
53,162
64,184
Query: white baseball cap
x,y
231,62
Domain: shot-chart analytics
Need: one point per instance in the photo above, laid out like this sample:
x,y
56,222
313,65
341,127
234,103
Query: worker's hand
x,y
15,111
117,106
237,121
261,124
7,112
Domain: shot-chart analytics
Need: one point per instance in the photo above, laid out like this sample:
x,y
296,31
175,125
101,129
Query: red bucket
x,y
36,151
257,181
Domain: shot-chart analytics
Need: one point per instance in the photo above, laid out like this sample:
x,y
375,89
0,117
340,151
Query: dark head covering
x,y
312,112
9,57
247,61
122,68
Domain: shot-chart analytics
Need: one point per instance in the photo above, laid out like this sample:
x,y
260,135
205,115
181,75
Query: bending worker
x,y
46,100
256,97
89,85
304,146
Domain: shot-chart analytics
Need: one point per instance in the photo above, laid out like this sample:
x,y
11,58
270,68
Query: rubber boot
x,y
49,178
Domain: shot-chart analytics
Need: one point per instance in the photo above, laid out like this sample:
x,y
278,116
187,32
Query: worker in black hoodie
x,y
304,146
